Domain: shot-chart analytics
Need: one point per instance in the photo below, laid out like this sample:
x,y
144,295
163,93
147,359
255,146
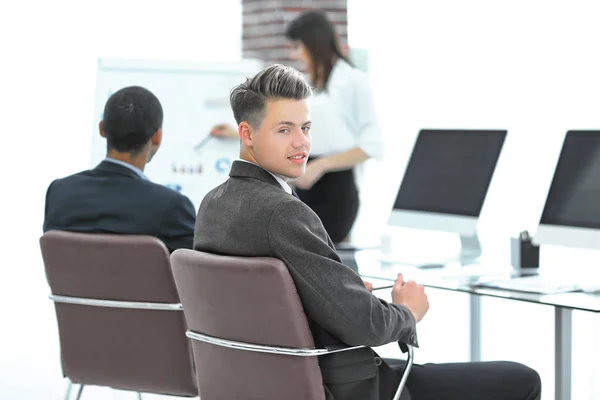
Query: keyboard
x,y
531,284
404,259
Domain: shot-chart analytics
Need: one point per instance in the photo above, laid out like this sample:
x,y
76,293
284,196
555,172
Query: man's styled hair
x,y
131,116
275,82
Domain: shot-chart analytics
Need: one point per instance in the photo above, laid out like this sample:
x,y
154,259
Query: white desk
x,y
459,279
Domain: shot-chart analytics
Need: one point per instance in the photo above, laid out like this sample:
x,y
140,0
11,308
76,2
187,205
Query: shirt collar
x,y
279,178
127,165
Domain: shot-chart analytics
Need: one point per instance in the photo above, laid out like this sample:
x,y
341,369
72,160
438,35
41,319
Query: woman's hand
x,y
224,131
314,171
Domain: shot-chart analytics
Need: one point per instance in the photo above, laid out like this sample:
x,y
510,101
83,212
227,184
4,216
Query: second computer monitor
x,y
571,215
446,182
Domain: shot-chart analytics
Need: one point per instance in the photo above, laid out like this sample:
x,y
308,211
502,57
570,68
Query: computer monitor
x,y
446,182
571,215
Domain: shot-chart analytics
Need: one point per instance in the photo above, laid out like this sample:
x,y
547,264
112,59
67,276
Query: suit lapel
x,y
241,169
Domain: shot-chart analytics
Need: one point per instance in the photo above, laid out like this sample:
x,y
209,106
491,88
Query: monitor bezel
x,y
426,220
568,236
565,235
464,225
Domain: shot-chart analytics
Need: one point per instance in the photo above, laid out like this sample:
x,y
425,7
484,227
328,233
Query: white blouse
x,y
344,117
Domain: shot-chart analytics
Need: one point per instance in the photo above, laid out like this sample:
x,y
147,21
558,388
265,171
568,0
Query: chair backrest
x,y
126,348
252,300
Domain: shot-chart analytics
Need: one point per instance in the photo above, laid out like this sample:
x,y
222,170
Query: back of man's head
x,y
132,115
275,82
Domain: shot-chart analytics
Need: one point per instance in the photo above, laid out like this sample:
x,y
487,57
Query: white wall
x,y
48,64
528,66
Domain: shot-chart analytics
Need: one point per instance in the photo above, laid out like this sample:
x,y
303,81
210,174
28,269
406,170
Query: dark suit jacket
x,y
252,215
112,198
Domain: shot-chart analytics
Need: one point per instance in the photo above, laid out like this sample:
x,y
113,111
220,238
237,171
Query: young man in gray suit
x,y
255,213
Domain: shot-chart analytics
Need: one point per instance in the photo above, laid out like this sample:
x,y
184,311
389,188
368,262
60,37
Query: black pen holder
x,y
523,253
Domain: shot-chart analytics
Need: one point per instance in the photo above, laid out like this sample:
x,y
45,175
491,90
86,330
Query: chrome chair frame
x,y
296,352
111,304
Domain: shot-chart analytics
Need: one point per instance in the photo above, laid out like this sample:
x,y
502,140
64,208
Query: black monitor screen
x,y
450,171
574,196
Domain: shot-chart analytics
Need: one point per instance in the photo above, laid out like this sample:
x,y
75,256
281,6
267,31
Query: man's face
x,y
282,142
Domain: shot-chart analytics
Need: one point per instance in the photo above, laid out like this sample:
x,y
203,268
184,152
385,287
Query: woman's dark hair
x,y
317,34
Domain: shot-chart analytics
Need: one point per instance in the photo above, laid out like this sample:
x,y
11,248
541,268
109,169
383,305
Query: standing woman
x,y
345,131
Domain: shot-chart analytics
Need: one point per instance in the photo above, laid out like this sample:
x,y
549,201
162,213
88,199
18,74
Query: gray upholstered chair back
x,y
251,300
137,341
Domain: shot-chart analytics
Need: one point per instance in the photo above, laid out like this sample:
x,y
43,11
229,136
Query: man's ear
x,y
101,129
246,134
157,137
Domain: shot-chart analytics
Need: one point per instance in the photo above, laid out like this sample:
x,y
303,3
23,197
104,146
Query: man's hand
x,y
314,171
224,131
368,285
412,296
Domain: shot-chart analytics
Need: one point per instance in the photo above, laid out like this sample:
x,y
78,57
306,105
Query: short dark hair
x,y
275,82
131,116
317,34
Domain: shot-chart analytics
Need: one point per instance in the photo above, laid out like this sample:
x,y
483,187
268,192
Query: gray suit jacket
x,y
252,215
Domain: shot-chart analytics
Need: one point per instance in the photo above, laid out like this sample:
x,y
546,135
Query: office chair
x,y
119,317
250,334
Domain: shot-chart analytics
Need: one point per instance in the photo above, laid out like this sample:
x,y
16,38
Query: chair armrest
x,y
405,348
340,348
259,348
299,352
138,305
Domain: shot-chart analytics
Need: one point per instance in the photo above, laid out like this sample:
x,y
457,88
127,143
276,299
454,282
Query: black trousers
x,y
334,198
499,380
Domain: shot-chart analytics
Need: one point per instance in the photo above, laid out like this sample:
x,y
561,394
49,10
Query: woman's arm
x,y
344,160
369,144
224,131
335,162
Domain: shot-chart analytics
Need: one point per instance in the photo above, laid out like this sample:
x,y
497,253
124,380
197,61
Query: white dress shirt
x,y
344,117
127,165
279,178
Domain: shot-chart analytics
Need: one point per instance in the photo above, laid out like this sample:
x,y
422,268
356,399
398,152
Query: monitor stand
x,y
469,253
470,249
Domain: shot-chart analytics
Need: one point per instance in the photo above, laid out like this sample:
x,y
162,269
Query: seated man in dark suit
x,y
255,213
116,196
